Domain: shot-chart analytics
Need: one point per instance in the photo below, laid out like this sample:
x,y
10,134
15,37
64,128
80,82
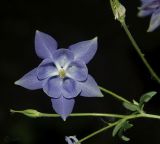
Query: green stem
x,y
141,55
114,95
35,113
128,117
98,131
114,4
39,114
85,115
152,116
107,127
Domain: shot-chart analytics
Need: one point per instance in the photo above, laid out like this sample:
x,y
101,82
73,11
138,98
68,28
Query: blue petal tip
x,y
95,38
16,82
37,31
101,95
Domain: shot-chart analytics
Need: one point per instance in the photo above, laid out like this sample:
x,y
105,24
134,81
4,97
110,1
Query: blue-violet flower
x,y
71,139
151,7
62,74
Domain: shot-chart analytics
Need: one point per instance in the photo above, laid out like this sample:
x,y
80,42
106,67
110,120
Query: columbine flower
x,y
62,74
71,139
151,7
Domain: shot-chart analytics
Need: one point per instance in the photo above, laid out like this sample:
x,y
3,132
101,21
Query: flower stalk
x,y
117,7
25,112
114,95
141,55
99,131
125,118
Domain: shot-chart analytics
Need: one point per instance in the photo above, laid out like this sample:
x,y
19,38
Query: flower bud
x,y
119,10
31,113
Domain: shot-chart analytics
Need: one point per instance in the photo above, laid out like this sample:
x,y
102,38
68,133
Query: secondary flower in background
x,y
71,139
151,7
62,74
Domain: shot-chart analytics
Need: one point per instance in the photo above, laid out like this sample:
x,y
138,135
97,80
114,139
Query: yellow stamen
x,y
62,73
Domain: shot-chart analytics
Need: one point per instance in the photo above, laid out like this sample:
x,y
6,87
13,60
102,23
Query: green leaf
x,y
118,127
130,106
125,138
135,102
147,97
126,126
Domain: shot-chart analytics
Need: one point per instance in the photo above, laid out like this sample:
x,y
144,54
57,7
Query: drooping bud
x,y
119,10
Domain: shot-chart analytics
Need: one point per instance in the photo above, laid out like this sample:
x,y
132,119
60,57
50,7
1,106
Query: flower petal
x,y
148,7
30,80
77,70
146,1
84,50
45,45
70,88
143,13
62,57
71,139
63,106
52,87
46,69
90,88
155,21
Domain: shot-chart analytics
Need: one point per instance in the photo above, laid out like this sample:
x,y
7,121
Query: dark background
x,y
116,66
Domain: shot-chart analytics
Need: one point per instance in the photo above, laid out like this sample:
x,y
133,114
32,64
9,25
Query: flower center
x,y
62,73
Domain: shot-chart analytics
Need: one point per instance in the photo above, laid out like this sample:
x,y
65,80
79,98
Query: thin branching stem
x,y
98,131
114,95
120,117
40,114
111,125
114,4
141,55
